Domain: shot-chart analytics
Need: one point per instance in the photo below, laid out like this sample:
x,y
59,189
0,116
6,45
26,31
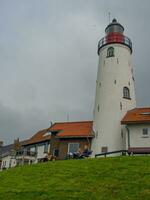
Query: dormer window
x,y
110,52
126,93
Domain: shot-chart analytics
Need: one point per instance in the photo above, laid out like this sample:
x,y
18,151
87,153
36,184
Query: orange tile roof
x,y
39,137
137,116
73,129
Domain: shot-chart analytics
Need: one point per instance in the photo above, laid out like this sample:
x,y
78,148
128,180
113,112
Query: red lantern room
x,y
114,34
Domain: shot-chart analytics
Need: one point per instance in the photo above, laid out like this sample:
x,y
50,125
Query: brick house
x,y
68,137
59,140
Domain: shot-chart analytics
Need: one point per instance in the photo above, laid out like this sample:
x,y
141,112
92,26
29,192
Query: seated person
x,y
86,152
77,154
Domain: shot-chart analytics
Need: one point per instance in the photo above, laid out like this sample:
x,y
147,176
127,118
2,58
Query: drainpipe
x,y
128,132
88,142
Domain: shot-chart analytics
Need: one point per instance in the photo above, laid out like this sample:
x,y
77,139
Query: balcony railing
x,y
26,153
114,39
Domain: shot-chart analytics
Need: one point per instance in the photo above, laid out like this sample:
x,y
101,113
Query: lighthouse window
x,y
96,134
132,78
126,93
132,70
129,83
98,108
110,52
120,106
117,61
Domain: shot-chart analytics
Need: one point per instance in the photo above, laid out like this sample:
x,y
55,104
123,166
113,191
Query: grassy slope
x,y
105,178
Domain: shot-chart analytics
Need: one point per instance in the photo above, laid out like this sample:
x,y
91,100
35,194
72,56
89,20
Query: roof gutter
x,y
128,135
67,137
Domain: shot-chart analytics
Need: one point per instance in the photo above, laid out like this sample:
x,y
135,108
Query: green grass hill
x,y
116,178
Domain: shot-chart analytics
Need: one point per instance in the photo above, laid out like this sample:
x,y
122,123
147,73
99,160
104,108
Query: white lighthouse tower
x,y
114,89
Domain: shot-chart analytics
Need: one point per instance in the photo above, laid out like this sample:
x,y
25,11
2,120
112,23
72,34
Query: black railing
x,y
111,152
115,39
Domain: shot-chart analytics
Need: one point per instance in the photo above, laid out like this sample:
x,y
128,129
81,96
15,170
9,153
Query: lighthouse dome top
x,y
114,35
114,26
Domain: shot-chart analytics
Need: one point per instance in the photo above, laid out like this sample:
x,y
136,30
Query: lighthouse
x,y
115,93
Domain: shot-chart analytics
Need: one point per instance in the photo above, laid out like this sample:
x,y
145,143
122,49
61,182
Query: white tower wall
x,y
114,73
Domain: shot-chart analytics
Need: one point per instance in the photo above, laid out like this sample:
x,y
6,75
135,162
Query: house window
x,y
4,163
46,148
73,147
110,52
33,149
145,132
126,93
56,152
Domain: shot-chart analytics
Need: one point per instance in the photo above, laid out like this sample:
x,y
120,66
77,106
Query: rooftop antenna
x,y
109,17
51,123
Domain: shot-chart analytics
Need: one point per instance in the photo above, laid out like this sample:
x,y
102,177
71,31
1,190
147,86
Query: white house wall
x,y
8,162
40,149
136,137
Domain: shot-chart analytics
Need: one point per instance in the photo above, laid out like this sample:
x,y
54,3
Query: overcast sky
x,y
48,59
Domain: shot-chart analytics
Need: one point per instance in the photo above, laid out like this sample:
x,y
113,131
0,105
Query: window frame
x,y
145,133
57,154
126,93
110,52
71,143
46,145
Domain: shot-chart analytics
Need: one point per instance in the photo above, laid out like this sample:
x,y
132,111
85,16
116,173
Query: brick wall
x,y
62,144
54,144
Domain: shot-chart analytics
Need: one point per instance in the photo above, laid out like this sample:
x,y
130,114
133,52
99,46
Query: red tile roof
x,y
137,116
40,136
73,129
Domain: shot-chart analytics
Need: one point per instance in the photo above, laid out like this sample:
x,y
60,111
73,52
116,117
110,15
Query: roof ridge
x,y
136,108
143,108
72,122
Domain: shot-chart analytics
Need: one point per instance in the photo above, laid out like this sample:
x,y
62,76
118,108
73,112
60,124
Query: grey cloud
x,y
48,59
